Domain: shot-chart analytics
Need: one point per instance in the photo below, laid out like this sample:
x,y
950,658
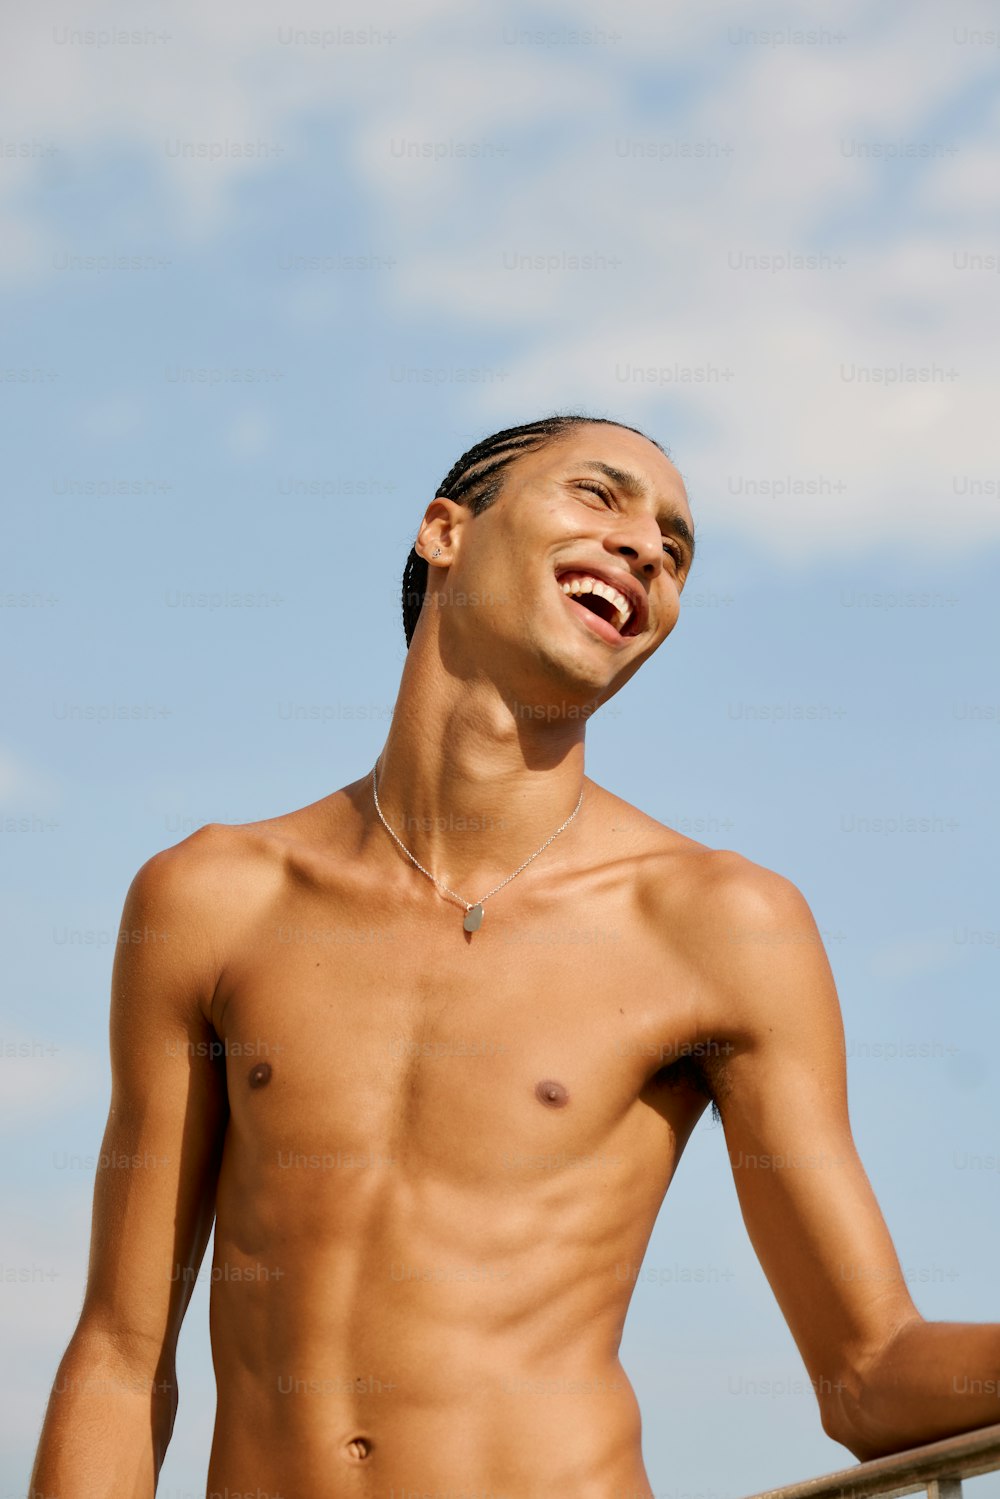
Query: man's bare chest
x,y
360,1033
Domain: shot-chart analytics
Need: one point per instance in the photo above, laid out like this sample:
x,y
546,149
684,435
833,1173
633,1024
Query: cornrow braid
x,y
477,479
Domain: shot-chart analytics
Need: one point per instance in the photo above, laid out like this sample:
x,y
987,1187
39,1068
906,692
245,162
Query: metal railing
x,y
937,1469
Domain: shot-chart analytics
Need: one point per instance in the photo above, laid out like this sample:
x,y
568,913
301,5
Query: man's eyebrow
x,y
632,485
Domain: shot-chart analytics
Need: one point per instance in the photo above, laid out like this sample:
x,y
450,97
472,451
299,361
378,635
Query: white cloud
x,y
783,127
201,77
868,379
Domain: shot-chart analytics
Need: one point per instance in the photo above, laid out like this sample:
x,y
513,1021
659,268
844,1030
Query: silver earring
x,y
436,552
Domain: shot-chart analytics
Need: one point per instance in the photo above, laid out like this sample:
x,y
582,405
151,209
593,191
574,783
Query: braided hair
x,y
478,478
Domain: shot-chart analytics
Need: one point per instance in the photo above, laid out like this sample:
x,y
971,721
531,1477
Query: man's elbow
x,y
840,1404
862,1410
841,1427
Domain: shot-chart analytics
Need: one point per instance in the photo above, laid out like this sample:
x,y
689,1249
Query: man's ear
x,y
440,528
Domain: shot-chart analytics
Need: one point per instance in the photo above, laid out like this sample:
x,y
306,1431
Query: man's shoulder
x,y
201,897
218,870
746,889
734,919
711,880
214,850
238,866
727,899
750,933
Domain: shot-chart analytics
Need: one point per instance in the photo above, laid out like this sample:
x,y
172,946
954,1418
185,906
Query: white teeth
x,y
605,591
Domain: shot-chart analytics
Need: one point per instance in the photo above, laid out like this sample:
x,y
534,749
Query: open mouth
x,y
602,607
599,600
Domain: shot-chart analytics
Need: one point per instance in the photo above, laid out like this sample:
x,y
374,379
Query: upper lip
x,y
625,584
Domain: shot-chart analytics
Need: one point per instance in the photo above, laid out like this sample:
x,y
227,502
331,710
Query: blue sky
x,y
834,419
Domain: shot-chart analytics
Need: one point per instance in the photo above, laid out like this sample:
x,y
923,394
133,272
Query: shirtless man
x,y
427,1149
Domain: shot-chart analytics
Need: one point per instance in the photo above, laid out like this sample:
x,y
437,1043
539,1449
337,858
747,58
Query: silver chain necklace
x,y
473,913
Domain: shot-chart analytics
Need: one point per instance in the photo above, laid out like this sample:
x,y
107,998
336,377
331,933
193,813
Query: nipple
x,y
552,1093
260,1075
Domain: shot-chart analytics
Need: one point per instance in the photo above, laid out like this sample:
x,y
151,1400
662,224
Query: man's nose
x,y
641,543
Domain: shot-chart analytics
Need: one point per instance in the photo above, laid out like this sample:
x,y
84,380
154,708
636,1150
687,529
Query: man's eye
x,y
594,488
674,551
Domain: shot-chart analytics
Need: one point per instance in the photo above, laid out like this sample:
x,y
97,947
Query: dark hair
x,y
478,478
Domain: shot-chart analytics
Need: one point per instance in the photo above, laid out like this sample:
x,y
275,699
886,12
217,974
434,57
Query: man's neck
x,y
469,784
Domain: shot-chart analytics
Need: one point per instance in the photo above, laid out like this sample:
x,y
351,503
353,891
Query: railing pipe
x,y
937,1469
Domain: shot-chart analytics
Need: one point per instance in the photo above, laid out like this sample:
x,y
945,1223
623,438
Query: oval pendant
x,y
473,919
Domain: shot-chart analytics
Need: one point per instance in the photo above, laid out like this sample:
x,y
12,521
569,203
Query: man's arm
x,y
885,1378
111,1411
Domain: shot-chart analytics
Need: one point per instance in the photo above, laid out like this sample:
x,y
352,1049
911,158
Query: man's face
x,y
561,515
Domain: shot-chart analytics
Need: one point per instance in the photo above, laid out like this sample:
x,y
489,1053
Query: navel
x,y
260,1075
552,1093
358,1448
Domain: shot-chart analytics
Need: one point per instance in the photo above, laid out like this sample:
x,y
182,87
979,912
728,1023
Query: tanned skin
x,y
429,1153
